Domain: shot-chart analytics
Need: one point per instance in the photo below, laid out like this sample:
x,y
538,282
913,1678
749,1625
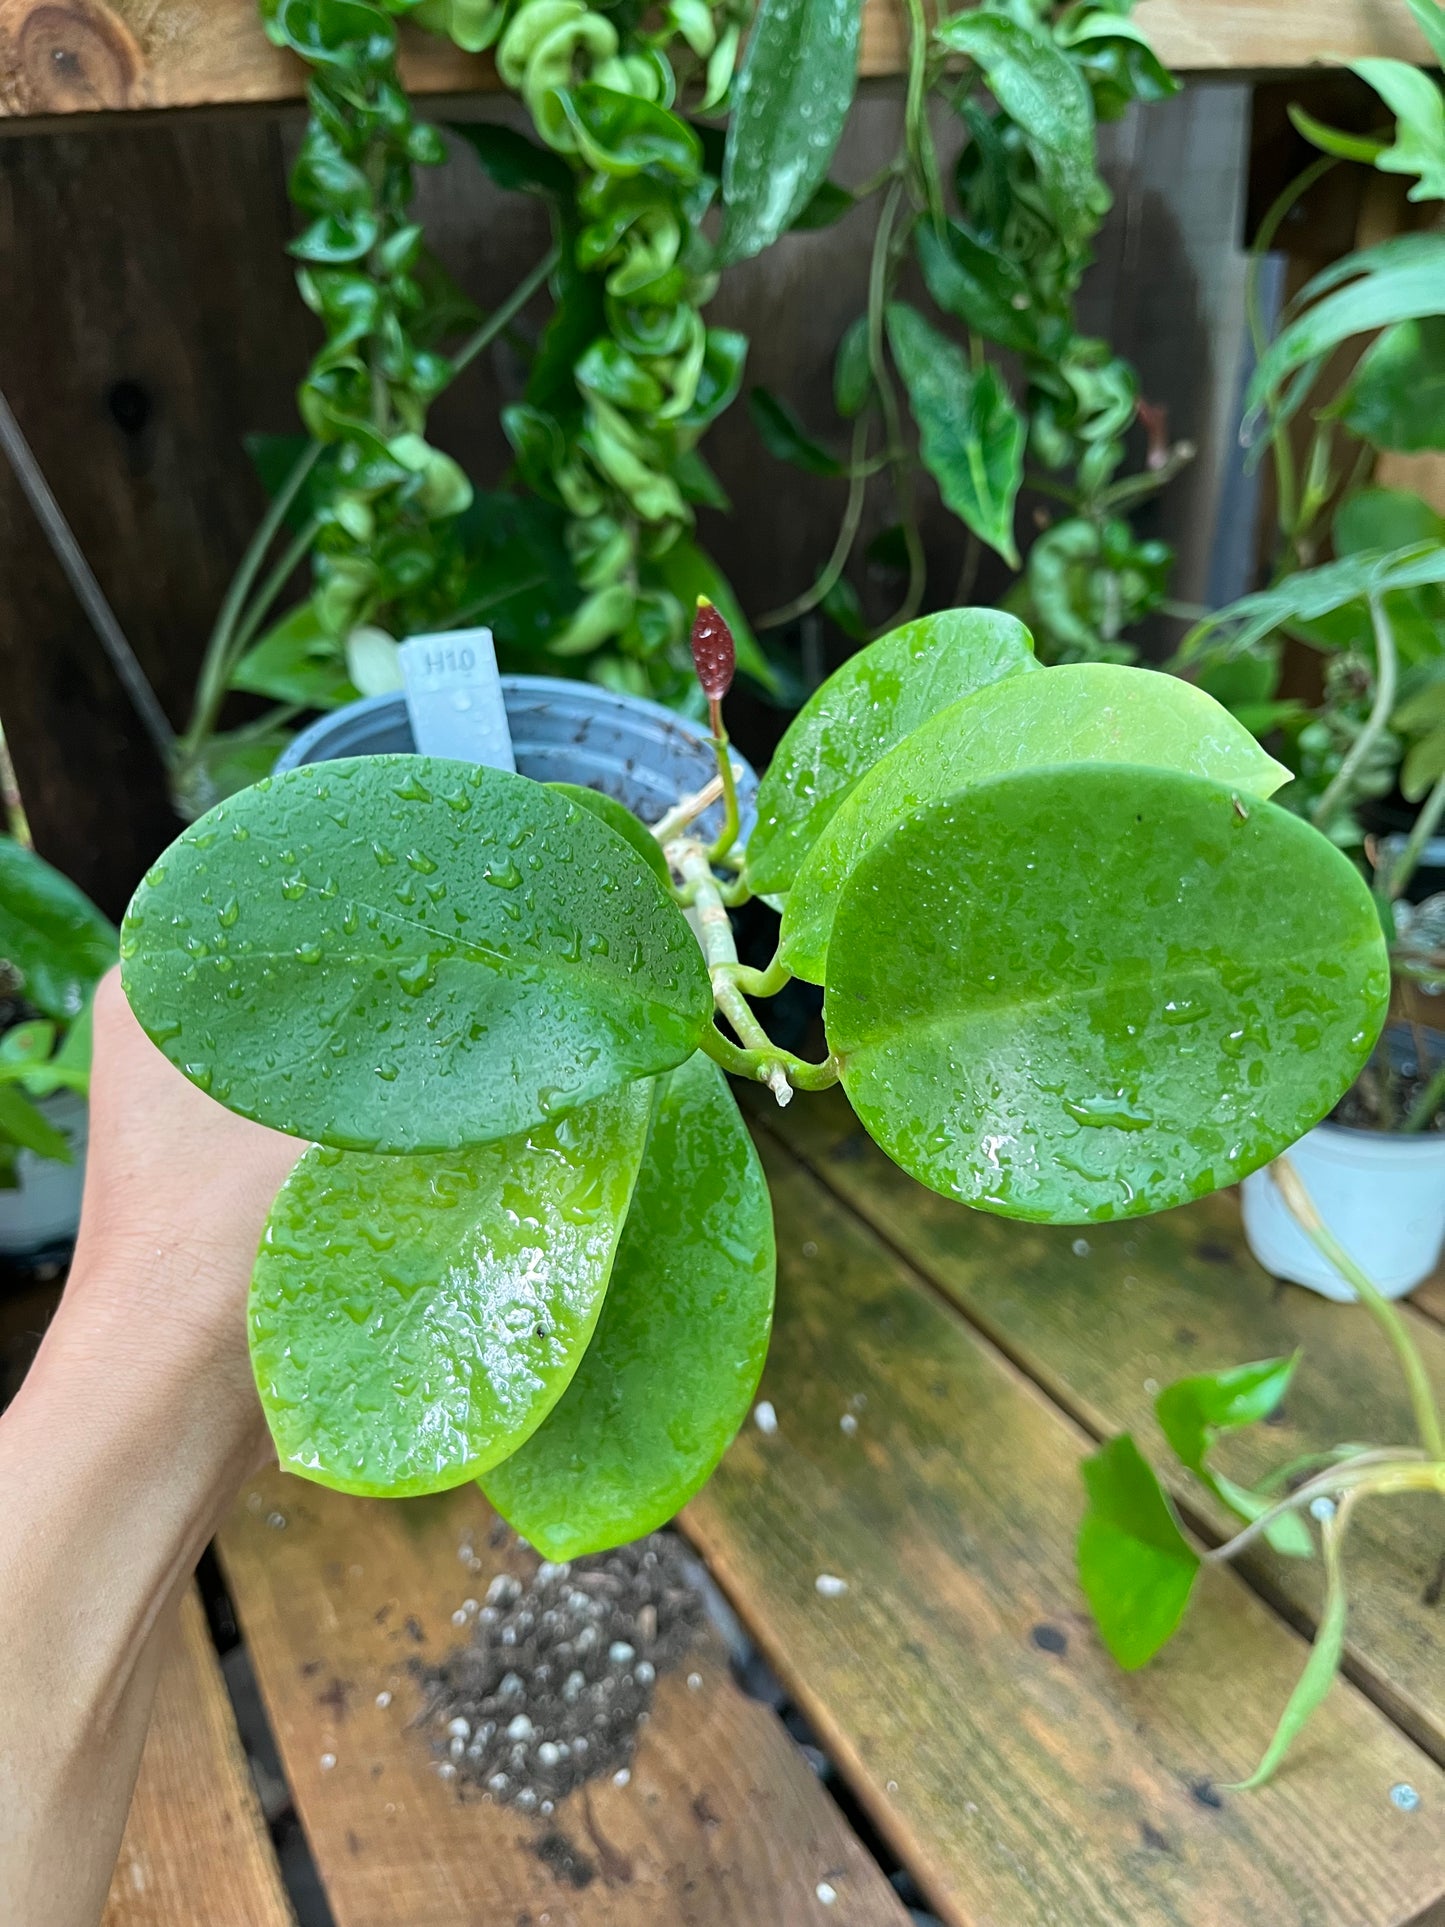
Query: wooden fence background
x,y
150,320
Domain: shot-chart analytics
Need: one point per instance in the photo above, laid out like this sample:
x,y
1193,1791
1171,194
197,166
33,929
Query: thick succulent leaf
x,y
1073,713
970,434
1136,1568
618,817
872,702
399,953
1096,991
413,1318
51,933
671,1372
790,102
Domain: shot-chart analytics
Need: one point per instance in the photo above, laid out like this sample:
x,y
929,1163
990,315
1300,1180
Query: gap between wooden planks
x,y
722,1824
1102,1316
1021,1776
86,56
196,1851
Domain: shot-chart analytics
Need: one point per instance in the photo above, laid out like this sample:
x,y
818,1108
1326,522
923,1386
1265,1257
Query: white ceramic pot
x,y
1382,1195
44,1208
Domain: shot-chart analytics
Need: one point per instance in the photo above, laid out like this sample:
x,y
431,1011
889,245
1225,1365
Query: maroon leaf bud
x,y
713,654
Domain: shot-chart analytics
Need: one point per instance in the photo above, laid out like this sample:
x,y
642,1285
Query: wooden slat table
x,y
195,1852
955,1680
87,56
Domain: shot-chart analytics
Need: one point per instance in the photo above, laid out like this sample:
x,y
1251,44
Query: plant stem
x,y
1424,827
1302,1209
760,1057
842,548
677,819
1426,1104
1135,488
294,554
728,835
917,134
1386,671
761,983
878,278
502,317
1383,1473
216,664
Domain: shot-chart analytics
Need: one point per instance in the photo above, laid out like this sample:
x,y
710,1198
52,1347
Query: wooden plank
x,y
1022,1777
195,1847
86,56
1150,1301
723,1822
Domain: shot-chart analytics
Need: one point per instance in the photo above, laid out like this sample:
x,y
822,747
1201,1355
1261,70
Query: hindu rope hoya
x,y
1076,966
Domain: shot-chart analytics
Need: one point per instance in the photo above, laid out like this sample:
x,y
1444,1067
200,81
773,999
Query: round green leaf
x,y
414,1318
399,953
1094,992
872,702
618,817
1076,713
670,1375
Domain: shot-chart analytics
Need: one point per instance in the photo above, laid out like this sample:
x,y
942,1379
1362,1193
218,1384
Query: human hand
x,y
176,1194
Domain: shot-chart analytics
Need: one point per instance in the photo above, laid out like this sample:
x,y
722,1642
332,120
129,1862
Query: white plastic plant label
x,y
454,697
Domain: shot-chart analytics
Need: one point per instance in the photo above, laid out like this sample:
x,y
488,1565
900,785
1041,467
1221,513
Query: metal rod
x,y
88,592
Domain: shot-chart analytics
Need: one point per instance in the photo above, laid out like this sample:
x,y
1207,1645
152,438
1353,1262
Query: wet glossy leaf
x,y
618,817
1136,1568
1042,90
51,934
1193,1412
1397,397
970,434
412,1319
1096,991
622,134
790,101
1399,280
401,953
1073,713
670,1374
873,701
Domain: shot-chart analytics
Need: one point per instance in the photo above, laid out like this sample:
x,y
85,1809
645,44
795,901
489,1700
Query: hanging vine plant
x,y
593,564
1001,242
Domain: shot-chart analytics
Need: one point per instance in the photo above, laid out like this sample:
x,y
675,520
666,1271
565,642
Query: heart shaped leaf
x,y
1096,991
399,953
670,1375
414,1318
872,702
1076,713
1136,1568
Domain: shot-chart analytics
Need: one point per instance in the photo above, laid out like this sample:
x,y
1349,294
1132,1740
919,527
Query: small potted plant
x,y
532,1244
54,945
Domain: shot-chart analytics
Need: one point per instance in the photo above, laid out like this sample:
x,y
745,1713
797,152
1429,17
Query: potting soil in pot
x,y
560,1674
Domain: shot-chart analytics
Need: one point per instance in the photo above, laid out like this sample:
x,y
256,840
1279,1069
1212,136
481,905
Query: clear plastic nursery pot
x,y
1380,1193
638,753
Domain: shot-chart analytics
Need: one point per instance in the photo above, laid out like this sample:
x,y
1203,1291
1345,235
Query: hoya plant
x,y
1077,966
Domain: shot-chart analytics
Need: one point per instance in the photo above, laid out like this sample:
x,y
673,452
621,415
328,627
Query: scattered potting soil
x,y
559,1674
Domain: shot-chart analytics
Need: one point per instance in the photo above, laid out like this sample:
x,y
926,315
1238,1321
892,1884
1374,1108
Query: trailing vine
x,y
1027,83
